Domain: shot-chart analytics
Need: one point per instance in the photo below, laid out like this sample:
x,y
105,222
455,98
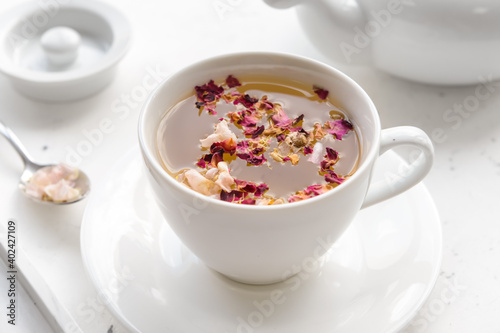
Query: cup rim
x,y
371,154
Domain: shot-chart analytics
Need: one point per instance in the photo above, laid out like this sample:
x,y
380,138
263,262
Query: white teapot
x,y
448,42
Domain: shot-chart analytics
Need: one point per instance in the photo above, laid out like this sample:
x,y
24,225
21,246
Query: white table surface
x,y
464,181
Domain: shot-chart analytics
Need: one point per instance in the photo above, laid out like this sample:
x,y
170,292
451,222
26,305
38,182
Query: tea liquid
x,y
184,125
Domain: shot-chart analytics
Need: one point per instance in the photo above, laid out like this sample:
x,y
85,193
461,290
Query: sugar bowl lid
x,y
62,50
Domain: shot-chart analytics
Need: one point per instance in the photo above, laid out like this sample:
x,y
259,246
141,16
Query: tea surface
x,y
286,139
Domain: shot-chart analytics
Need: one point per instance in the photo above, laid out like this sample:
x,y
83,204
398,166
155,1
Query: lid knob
x,y
61,45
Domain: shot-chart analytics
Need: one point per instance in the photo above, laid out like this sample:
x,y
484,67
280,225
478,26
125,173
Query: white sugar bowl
x,y
65,51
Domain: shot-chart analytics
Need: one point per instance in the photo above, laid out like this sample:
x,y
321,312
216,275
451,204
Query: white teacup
x,y
261,244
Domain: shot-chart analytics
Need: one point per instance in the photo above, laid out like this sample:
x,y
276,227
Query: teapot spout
x,y
335,27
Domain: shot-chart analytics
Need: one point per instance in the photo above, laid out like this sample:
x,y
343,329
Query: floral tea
x,y
258,140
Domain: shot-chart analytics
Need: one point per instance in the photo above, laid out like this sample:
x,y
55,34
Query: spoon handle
x,y
16,143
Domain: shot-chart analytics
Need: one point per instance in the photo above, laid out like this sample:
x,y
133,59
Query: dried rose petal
x,y
308,150
228,146
297,120
232,82
264,104
232,196
217,156
208,92
246,186
280,118
210,108
333,178
254,131
261,189
310,192
297,197
248,201
331,158
246,100
243,145
258,150
338,128
249,120
252,159
322,93
201,163
314,190
331,154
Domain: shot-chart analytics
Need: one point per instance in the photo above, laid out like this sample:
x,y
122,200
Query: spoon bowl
x,y
31,167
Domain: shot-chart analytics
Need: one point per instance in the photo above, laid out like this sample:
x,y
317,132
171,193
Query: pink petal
x,y
322,93
232,82
338,128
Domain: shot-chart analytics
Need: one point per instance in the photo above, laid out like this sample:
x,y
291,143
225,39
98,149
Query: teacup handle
x,y
395,184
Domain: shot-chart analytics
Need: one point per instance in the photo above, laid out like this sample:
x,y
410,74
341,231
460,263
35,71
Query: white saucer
x,y
375,279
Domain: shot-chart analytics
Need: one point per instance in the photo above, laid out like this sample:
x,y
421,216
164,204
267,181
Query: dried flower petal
x,y
200,184
276,156
331,154
224,180
246,100
248,201
252,159
62,191
228,146
318,132
222,132
245,186
317,153
232,195
208,92
201,163
254,132
249,120
280,118
332,177
264,104
338,128
322,93
261,189
315,190
309,192
54,183
232,82
211,173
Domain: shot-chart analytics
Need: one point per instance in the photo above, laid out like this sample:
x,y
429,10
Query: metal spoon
x,y
30,167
